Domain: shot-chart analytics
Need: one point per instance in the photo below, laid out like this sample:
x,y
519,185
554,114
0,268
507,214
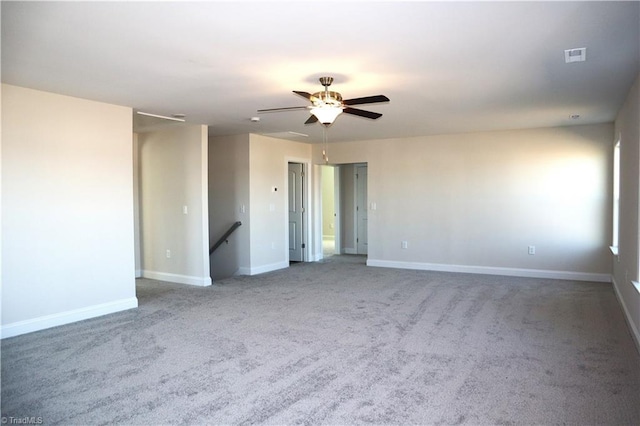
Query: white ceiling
x,y
447,67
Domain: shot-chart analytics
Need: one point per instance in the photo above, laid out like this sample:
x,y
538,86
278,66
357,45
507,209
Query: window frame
x,y
616,196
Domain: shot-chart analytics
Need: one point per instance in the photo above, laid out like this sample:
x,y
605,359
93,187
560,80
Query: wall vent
x,y
575,55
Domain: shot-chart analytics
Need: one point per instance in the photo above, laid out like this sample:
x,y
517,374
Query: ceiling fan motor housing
x,y
327,98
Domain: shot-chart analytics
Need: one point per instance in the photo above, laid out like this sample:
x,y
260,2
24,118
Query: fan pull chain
x,y
325,146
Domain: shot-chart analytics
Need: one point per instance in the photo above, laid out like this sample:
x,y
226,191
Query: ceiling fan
x,y
327,105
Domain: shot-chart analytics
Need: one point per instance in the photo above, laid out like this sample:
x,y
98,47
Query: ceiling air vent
x,y
575,55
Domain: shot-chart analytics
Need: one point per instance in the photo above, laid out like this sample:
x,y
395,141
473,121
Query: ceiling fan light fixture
x,y
327,105
326,114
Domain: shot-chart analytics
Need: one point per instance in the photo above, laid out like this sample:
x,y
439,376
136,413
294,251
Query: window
x,y
616,194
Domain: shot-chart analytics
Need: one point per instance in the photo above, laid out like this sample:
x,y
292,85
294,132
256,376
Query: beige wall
x,y
229,202
625,266
67,210
475,202
244,171
174,175
269,211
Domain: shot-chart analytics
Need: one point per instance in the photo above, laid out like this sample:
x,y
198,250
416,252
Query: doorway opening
x,y
330,208
344,206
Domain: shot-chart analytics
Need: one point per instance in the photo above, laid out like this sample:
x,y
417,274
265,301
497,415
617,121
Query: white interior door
x,y
296,244
361,210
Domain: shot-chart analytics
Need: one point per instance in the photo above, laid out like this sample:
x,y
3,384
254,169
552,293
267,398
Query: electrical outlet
x,y
532,250
404,244
168,254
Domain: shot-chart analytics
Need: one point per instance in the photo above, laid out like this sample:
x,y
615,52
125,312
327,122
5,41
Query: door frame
x,y
337,217
337,231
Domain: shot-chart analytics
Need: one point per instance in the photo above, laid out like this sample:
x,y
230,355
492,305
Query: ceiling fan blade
x,y
312,119
303,94
366,100
362,113
282,109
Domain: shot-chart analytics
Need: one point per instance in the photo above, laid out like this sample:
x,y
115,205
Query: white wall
x,y
625,266
269,210
174,175
475,202
229,202
67,208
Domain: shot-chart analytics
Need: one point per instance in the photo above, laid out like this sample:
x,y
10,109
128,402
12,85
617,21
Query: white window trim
x,y
616,197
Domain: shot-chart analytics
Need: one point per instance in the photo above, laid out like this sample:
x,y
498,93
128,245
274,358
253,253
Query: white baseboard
x,y
62,318
627,316
328,237
262,269
349,250
316,257
489,270
138,273
176,278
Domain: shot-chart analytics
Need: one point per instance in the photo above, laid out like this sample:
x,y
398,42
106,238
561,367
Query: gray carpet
x,y
337,343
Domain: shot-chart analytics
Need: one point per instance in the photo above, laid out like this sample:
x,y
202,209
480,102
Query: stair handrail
x,y
224,237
